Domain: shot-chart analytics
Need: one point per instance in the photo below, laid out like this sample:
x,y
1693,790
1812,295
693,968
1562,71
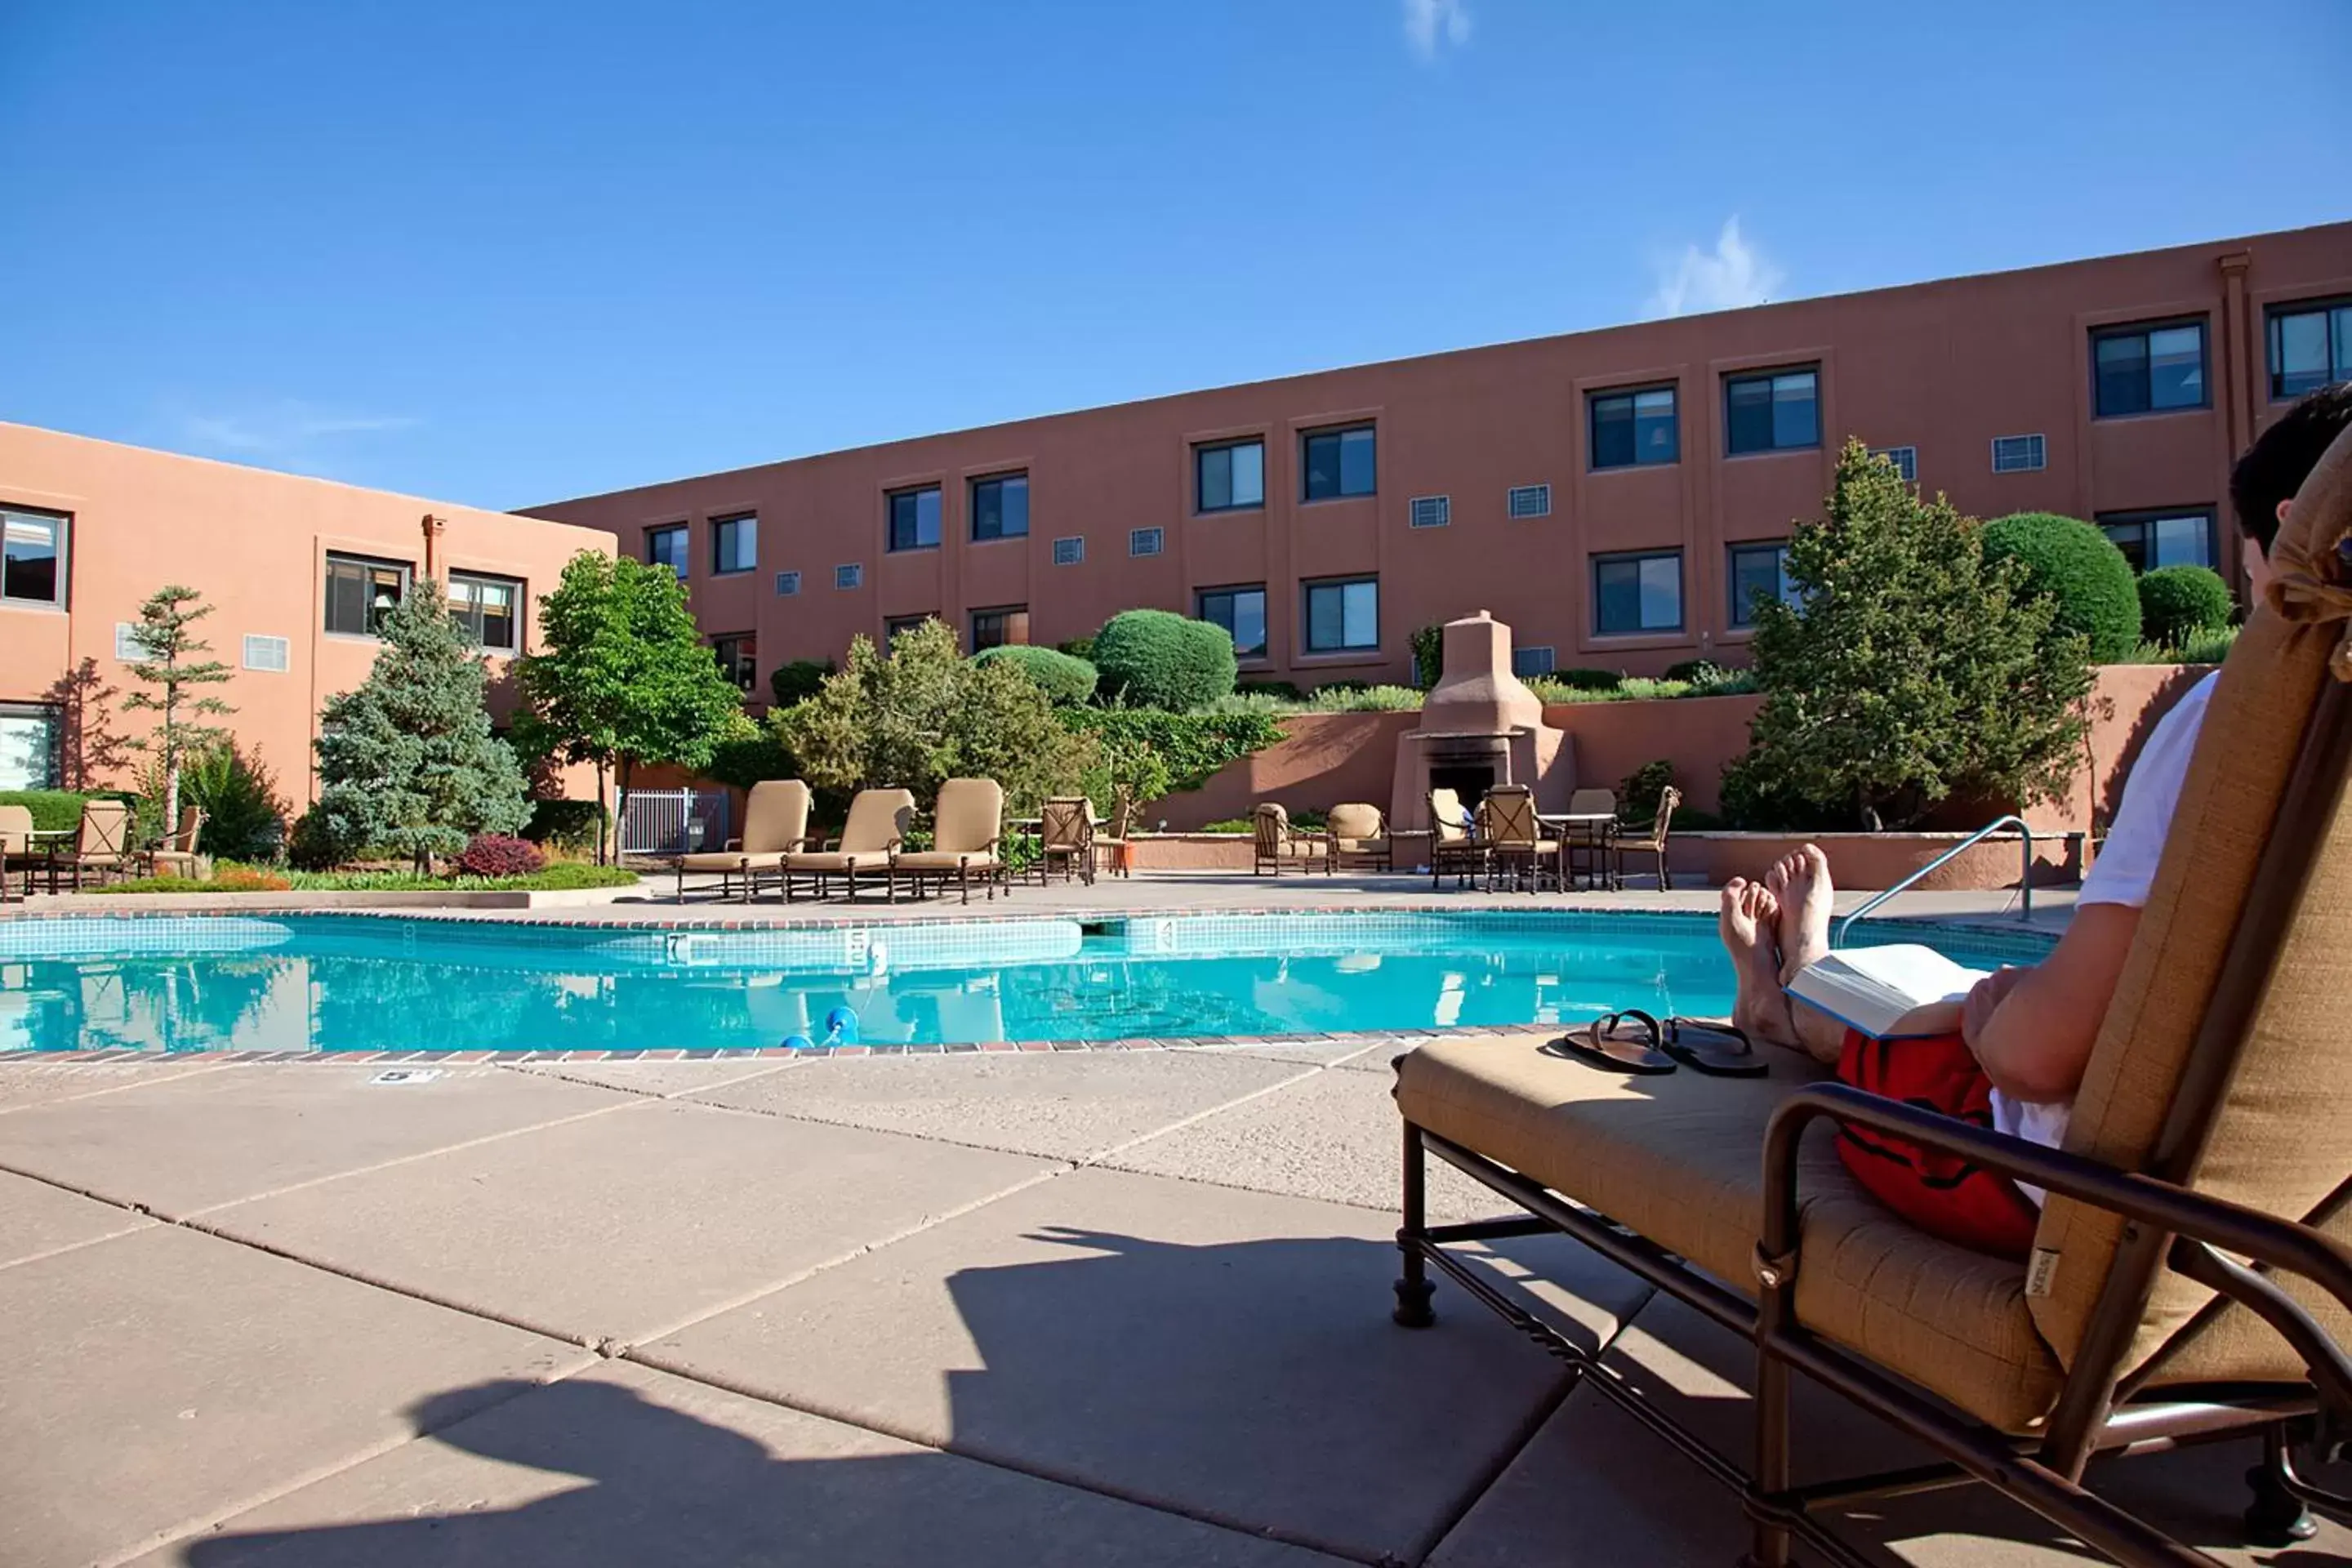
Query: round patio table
x,y
1587,830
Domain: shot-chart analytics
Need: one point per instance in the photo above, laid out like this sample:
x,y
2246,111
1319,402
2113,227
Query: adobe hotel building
x,y
1618,496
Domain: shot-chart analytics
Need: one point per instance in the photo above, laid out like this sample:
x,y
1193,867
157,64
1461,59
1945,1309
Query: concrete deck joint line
x,y
547,1070
1101,1154
147,1077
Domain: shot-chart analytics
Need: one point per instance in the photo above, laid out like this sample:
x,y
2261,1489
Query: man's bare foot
x,y
1800,885
1750,926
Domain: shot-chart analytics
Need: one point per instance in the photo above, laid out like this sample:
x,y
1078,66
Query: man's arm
x,y
2036,1036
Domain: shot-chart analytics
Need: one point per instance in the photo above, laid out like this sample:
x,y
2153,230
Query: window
x,y
738,655
915,519
1759,572
1904,459
28,746
130,644
2146,369
32,557
665,546
787,584
1230,477
269,654
1343,616
734,543
1145,541
2175,536
361,593
1000,628
2019,454
1527,661
1242,612
1531,500
488,607
1634,428
999,507
897,623
1070,551
2311,346
1634,594
1339,463
1432,511
850,576
1774,412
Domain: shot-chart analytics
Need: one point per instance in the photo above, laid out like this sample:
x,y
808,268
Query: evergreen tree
x,y
171,667
622,676
407,760
1911,665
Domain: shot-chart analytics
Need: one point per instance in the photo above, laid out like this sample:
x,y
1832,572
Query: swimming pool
x,y
347,983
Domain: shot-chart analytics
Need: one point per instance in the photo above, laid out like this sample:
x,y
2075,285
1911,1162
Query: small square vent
x,y
850,576
787,584
1432,511
2018,453
1070,551
1145,541
267,655
1531,500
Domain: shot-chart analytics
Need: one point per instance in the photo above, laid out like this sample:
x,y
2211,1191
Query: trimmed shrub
x,y
319,843
1281,689
1637,797
566,825
791,682
1363,699
2067,560
1189,746
1077,647
1587,680
244,820
56,810
1154,658
748,753
500,855
2176,603
1066,681
1697,671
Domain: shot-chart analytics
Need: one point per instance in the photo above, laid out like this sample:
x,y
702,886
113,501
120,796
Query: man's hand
x,y
1983,997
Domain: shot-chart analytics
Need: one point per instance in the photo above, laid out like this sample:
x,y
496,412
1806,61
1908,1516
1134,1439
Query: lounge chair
x,y
1065,833
1653,841
1113,845
775,824
102,847
1592,844
967,840
1278,846
1451,845
1359,837
2213,1128
176,855
876,825
1516,846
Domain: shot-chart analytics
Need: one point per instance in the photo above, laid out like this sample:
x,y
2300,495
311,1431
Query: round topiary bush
x,y
1157,659
1066,681
2068,560
501,855
2176,603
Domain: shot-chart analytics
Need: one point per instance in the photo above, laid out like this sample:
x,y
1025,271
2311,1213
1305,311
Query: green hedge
x,y
1192,746
796,680
56,809
2074,563
565,824
1586,679
1156,659
1066,680
2176,603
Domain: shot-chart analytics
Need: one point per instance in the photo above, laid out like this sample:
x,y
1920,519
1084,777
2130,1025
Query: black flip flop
x,y
1599,1045
1727,1054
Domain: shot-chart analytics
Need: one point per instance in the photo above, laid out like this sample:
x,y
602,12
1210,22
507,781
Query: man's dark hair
x,y
2283,456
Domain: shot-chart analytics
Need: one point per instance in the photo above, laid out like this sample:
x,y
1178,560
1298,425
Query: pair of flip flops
x,y
1636,1042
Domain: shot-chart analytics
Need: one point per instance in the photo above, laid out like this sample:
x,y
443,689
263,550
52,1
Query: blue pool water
x,y
332,982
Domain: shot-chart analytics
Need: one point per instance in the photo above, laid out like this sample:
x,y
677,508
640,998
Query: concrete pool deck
x,y
993,1310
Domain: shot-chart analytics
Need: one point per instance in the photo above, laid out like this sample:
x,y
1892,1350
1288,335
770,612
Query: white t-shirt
x,y
2123,874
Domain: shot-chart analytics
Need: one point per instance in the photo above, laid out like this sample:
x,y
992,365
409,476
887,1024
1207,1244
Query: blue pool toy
x,y
841,1028
799,1043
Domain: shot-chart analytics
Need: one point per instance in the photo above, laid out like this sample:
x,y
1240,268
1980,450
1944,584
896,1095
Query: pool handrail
x,y
2024,880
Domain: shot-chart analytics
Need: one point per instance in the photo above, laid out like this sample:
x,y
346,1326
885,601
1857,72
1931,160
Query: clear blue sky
x,y
505,253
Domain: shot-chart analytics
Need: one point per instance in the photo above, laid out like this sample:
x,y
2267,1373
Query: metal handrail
x,y
2024,880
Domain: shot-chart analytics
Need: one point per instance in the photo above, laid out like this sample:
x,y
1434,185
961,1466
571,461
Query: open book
x,y
1895,993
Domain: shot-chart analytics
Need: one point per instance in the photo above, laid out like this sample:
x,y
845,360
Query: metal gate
x,y
663,821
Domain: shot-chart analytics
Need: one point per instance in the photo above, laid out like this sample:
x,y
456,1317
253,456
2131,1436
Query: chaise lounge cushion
x,y
1679,1159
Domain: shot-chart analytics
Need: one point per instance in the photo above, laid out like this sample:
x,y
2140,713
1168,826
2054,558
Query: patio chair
x,y
1115,845
967,840
1516,846
1592,844
1278,846
1359,837
17,845
775,824
1451,847
175,854
102,843
876,825
1653,841
2191,1274
1066,832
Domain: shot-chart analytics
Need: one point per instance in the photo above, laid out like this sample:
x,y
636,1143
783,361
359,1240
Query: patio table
x,y
1583,830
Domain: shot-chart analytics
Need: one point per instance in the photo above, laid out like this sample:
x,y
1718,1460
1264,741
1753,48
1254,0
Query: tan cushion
x,y
838,860
945,861
1303,848
971,815
723,860
1355,820
2282,1140
1679,1158
877,818
1360,845
775,817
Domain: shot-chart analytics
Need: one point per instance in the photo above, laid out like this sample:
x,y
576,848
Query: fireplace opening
x,y
1469,781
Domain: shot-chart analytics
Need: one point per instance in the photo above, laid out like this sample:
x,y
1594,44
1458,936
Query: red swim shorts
x,y
1946,1196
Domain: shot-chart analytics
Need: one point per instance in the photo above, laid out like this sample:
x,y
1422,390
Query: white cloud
x,y
282,429
1733,274
1428,24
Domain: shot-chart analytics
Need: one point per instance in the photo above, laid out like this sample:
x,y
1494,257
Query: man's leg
x,y
1748,924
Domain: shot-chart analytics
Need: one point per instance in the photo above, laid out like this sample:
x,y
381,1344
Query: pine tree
x,y
172,668
406,760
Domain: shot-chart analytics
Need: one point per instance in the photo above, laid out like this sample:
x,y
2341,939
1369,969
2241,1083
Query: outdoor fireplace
x,y
1480,727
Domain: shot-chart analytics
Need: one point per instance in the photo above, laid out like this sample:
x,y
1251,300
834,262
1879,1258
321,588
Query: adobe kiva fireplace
x,y
1480,727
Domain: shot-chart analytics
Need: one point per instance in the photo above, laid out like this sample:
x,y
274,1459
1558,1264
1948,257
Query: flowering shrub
x,y
501,855
249,879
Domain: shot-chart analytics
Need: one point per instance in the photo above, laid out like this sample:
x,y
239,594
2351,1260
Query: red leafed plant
x,y
500,855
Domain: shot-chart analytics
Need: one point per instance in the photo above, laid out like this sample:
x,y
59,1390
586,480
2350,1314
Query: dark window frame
x,y
744,668
1733,378
2326,307
893,624
999,481
1200,488
1739,617
516,586
1230,590
51,715
915,493
2144,330
407,570
683,566
1682,591
60,557
2216,538
720,528
1307,590
1003,613
1630,396
1339,433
